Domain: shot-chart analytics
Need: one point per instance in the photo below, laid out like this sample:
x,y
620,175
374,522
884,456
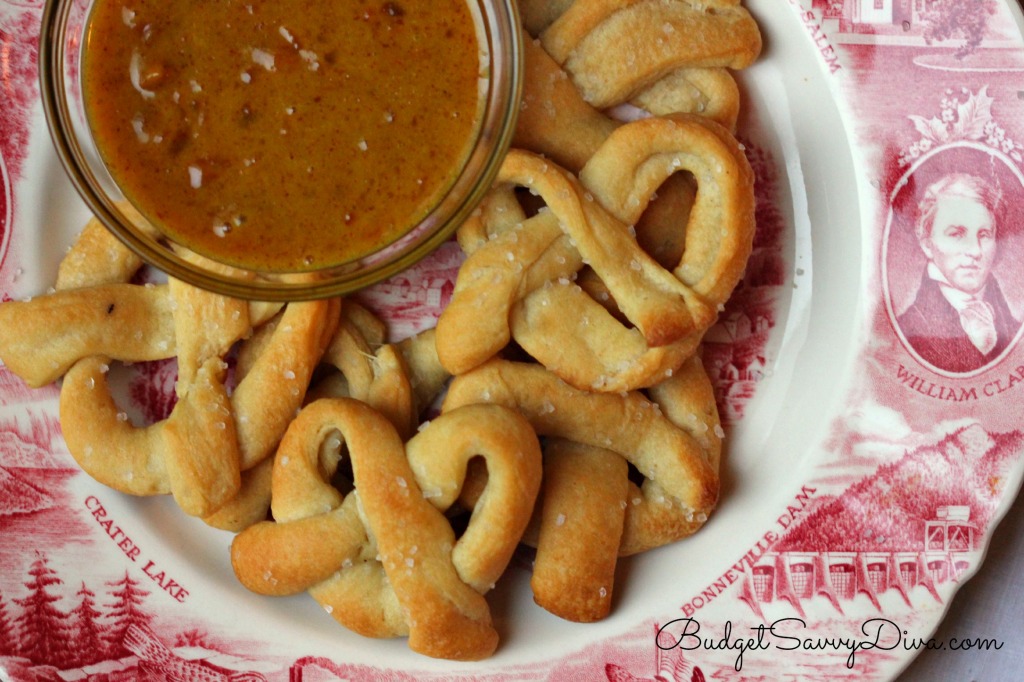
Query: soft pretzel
x,y
208,433
523,274
581,516
654,39
399,380
679,461
607,289
383,560
637,158
672,438
199,452
710,91
556,122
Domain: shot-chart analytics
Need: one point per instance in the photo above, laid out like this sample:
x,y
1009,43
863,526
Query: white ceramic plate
x,y
862,480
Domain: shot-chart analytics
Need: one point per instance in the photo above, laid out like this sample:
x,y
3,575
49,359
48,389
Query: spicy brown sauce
x,y
283,135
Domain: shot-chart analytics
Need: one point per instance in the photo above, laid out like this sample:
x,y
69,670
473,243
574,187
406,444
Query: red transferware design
x,y
866,369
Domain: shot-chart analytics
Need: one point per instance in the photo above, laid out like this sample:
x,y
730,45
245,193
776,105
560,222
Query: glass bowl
x,y
60,57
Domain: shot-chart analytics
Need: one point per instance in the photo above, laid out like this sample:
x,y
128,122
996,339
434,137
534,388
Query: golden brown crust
x,y
607,288
384,560
583,507
590,511
654,39
198,454
629,424
523,273
41,338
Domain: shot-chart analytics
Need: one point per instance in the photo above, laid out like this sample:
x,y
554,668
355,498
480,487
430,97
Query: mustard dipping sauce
x,y
283,135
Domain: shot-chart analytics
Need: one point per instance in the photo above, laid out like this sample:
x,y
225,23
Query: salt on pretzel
x,y
383,560
208,432
511,278
636,159
199,453
655,39
556,122
581,516
672,437
511,274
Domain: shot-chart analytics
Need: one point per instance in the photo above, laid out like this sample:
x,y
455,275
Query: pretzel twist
x,y
655,37
383,560
199,453
590,510
522,274
557,122
399,380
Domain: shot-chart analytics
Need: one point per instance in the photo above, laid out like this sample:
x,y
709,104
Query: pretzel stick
x,y
583,510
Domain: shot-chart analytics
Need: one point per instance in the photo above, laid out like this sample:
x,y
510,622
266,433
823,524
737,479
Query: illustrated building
x,y
794,576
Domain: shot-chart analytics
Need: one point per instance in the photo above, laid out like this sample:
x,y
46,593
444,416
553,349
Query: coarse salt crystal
x,y
263,58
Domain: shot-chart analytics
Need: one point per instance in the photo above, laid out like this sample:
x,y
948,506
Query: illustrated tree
x,y
87,645
8,635
948,19
124,610
42,626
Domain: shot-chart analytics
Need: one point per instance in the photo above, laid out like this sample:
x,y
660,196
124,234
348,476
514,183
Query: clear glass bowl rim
x,y
496,132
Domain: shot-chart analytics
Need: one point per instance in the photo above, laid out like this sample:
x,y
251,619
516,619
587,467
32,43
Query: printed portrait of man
x,y
959,321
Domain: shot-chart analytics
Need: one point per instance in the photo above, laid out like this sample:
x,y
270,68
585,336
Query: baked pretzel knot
x,y
208,452
591,511
383,560
399,380
519,278
651,38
